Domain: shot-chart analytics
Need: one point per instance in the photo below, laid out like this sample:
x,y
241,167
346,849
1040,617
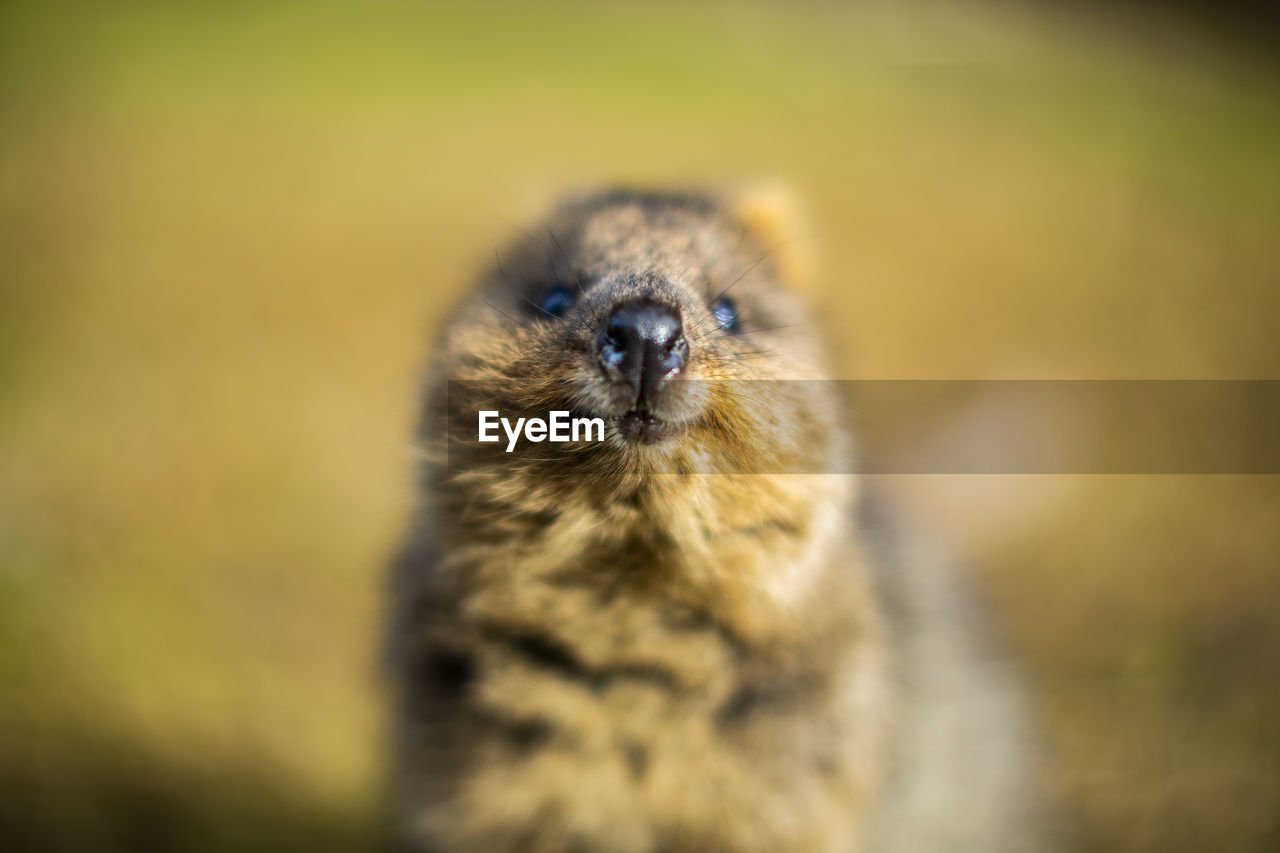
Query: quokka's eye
x,y
557,301
725,312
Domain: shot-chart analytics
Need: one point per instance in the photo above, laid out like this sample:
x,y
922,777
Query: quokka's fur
x,y
611,647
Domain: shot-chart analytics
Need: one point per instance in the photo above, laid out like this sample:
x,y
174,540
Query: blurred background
x,y
227,230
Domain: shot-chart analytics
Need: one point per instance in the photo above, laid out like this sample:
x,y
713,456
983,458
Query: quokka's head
x,y
664,315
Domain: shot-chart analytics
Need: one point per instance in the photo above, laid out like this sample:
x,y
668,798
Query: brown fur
x,y
594,653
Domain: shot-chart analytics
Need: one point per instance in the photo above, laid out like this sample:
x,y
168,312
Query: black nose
x,y
643,345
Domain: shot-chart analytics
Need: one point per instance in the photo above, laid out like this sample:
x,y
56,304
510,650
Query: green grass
x,y
225,233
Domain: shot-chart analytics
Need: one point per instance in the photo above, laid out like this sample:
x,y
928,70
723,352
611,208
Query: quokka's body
x,y
675,639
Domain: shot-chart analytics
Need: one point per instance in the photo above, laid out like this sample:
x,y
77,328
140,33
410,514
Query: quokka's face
x,y
633,309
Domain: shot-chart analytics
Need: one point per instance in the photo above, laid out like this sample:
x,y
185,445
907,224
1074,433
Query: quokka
x,y
681,637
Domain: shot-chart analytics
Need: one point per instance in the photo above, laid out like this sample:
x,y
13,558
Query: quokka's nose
x,y
643,345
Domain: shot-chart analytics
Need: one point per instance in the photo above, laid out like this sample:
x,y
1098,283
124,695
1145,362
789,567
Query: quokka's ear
x,y
779,223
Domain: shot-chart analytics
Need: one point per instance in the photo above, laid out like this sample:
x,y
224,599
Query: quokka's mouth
x,y
643,428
